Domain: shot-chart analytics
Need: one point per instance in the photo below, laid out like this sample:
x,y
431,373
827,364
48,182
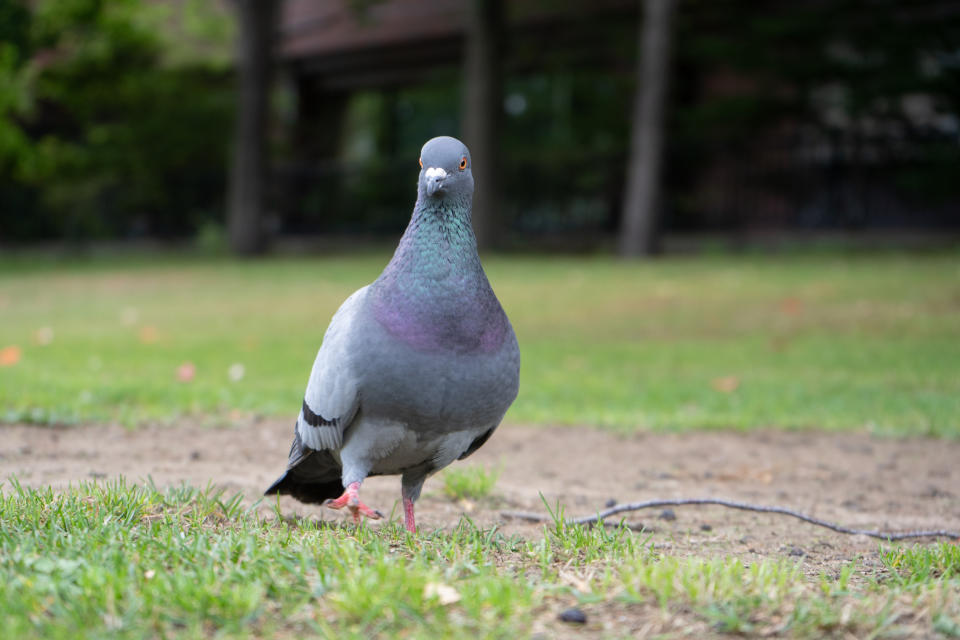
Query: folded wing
x,y
331,399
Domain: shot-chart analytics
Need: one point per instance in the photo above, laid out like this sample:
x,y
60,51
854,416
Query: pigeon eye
x,y
463,163
420,160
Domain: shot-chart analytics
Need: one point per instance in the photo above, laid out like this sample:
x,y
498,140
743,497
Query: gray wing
x,y
331,399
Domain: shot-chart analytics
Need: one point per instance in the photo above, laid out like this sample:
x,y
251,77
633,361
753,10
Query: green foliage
x,y
129,561
99,134
918,564
473,482
803,341
120,560
833,79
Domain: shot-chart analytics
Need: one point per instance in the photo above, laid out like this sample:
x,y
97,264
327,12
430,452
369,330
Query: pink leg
x,y
351,500
408,515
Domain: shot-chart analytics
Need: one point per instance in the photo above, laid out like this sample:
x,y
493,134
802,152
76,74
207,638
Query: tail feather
x,y
311,476
304,489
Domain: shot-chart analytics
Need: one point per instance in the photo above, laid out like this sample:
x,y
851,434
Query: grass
x,y
794,341
116,560
471,482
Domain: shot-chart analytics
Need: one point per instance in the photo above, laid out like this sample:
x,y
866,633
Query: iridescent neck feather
x,y
434,294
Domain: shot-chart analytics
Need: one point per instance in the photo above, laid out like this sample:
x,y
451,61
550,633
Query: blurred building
x,y
783,115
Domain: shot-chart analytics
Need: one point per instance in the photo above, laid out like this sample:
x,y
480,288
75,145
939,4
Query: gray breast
x,y
434,390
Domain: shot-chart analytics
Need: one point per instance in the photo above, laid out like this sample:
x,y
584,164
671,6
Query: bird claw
x,y
351,501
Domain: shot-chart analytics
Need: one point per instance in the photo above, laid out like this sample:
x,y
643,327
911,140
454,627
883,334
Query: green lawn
x,y
117,561
794,341
825,341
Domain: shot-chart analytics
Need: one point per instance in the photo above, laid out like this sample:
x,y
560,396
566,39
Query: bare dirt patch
x,y
855,479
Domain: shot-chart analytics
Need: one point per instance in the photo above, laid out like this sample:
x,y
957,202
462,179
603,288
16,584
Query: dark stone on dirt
x,y
667,514
706,527
935,492
194,455
573,616
666,476
796,551
612,502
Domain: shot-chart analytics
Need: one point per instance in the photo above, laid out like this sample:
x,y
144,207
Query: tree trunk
x,y
639,230
482,104
248,176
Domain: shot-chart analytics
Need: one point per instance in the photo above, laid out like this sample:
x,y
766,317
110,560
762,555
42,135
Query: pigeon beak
x,y
434,177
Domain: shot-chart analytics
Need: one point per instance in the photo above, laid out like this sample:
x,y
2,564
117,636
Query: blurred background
x,y
794,165
798,163
627,125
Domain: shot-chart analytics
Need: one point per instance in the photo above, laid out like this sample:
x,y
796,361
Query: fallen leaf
x,y
236,372
186,372
791,306
149,335
725,384
10,355
578,583
129,316
443,592
43,336
779,343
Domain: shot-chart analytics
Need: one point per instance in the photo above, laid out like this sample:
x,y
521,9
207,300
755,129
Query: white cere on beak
x,y
434,172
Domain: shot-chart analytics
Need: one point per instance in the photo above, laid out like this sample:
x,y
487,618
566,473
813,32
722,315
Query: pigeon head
x,y
445,170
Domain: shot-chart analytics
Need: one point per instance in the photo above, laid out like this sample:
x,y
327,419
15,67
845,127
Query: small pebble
x,y
573,615
667,514
195,455
612,502
706,527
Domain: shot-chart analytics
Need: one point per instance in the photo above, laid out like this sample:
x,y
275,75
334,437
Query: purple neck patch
x,y
434,295
470,329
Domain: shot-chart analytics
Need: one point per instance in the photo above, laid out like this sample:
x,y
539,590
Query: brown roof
x,y
312,28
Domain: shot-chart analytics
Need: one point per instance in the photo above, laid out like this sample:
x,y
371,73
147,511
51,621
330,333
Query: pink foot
x,y
408,515
351,500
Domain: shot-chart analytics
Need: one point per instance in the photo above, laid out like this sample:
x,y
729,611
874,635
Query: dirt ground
x,y
854,479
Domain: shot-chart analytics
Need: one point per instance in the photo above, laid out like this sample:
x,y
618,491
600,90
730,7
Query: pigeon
x,y
417,369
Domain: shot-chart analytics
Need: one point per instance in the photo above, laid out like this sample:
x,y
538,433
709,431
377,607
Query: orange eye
x,y
421,162
463,163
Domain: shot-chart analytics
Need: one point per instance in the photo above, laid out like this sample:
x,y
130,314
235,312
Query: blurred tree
x,y
482,106
96,136
823,114
638,233
248,177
